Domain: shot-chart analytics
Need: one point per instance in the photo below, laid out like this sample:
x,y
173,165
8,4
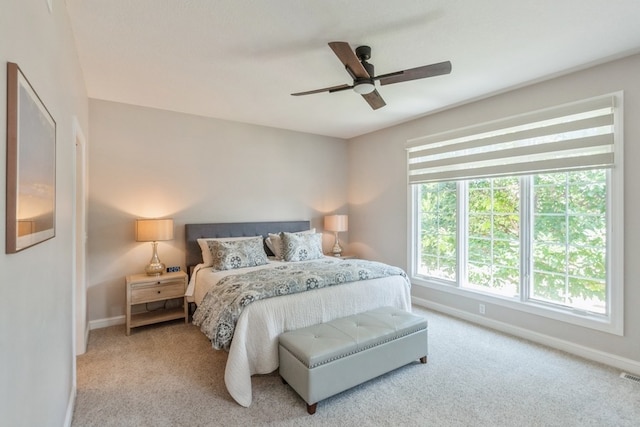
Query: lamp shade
x,y
336,223
153,230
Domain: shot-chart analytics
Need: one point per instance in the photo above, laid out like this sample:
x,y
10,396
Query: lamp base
x,y
337,250
155,267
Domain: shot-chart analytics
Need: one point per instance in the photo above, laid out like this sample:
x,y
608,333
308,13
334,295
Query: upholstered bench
x,y
325,359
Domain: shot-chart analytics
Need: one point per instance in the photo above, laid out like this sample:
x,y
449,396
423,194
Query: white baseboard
x,y
622,363
86,337
111,321
68,418
625,364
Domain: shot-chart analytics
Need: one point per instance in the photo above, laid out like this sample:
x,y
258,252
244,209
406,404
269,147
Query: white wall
x,y
378,196
37,367
154,163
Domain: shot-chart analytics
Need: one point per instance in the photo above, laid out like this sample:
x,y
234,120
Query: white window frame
x,y
613,321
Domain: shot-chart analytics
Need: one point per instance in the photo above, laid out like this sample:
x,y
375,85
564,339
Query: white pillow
x,y
274,242
207,258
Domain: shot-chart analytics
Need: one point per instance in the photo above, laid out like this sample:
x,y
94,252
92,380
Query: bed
x,y
253,348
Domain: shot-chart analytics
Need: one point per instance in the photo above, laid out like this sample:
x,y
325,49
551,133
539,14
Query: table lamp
x,y
154,230
336,223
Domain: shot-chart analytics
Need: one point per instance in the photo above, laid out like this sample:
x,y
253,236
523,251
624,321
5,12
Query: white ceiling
x,y
241,59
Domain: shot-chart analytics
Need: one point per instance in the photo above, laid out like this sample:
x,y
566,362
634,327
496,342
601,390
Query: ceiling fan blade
x,y
374,99
326,89
347,56
416,73
341,88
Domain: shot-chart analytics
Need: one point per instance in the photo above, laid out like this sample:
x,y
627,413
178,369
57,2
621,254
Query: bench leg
x,y
423,359
311,409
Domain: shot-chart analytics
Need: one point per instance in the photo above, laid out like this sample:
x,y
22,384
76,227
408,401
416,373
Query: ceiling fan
x,y
364,78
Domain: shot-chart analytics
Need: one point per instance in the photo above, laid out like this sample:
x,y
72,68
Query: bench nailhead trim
x,y
395,337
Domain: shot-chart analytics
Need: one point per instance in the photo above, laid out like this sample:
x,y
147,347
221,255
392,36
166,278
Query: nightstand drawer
x,y
156,292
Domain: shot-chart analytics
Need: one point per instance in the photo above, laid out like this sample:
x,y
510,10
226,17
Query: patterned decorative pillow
x,y
203,242
228,255
301,247
274,242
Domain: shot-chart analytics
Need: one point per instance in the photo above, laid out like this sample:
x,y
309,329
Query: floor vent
x,y
630,377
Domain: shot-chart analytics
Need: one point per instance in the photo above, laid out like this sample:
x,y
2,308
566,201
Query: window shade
x,y
570,137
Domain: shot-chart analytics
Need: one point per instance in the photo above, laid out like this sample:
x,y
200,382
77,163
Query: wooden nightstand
x,y
143,289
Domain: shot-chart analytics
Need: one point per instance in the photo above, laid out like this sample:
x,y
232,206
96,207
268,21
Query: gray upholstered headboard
x,y
193,232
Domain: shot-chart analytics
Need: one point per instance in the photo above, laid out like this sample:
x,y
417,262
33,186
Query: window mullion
x,y
526,235
463,232
566,239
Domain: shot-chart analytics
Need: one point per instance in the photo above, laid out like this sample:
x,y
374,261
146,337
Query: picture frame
x,y
31,165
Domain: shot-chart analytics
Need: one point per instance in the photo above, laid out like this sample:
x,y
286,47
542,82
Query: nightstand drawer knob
x,y
159,291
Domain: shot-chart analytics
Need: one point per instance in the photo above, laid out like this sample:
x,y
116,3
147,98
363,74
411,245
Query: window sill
x,y
586,320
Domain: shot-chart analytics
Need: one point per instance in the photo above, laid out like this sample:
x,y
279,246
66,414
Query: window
x,y
569,240
437,230
526,212
493,234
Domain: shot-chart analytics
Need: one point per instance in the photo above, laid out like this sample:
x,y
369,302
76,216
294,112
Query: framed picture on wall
x,y
31,165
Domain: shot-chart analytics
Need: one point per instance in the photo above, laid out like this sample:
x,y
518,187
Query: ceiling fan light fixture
x,y
364,88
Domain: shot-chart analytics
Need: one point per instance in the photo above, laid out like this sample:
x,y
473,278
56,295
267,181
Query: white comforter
x,y
254,349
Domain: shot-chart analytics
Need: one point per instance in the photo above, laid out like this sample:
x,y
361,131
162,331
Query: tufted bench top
x,y
320,344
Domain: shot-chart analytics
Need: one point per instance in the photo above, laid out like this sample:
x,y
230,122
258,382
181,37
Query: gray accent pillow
x,y
206,250
228,255
301,247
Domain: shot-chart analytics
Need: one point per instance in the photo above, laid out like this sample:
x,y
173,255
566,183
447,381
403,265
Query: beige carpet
x,y
168,375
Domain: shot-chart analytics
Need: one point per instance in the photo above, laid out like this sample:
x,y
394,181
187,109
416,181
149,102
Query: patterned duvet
x,y
223,304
